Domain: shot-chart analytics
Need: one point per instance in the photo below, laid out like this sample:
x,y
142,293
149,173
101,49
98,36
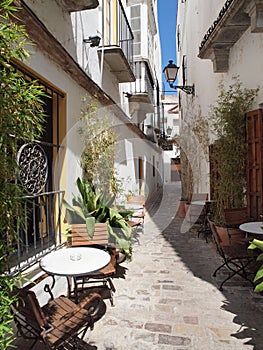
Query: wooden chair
x,y
80,237
235,258
233,218
58,322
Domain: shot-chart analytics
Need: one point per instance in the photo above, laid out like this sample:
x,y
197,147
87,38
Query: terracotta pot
x,y
187,212
181,209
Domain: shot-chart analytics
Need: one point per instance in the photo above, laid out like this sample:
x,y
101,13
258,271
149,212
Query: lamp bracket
x,y
189,89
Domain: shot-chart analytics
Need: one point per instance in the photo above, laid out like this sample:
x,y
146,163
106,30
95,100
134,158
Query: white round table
x,y
74,262
77,261
255,227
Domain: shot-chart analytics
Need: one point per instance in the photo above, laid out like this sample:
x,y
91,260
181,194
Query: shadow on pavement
x,y
202,259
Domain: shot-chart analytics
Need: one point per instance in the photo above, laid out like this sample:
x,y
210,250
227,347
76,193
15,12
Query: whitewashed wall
x,y
194,19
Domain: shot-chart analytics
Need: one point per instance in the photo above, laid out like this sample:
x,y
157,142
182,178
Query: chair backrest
x,y
236,216
216,237
28,307
37,311
80,237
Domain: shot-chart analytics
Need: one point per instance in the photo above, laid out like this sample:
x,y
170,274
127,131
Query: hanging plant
x,y
229,155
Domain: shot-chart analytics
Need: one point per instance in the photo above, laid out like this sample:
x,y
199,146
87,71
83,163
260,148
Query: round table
x,y
76,261
255,227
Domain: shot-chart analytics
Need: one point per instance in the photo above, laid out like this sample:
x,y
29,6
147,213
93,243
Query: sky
x,y
167,28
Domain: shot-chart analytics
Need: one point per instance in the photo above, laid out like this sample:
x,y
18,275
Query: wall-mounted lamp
x,y
170,72
127,94
92,40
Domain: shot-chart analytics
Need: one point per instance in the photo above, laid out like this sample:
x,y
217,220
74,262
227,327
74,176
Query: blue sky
x,y
167,27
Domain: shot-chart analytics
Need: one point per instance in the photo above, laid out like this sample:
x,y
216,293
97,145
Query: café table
x,y
74,262
252,227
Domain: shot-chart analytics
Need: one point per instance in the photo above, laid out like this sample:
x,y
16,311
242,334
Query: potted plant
x,y
228,154
93,203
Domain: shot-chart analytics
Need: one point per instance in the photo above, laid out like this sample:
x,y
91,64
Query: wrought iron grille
x,y
40,229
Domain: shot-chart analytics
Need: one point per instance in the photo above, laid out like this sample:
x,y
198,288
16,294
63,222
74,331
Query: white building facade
x,y
119,74
216,41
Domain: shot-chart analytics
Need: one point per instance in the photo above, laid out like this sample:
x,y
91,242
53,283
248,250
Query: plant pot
x,y
181,209
187,210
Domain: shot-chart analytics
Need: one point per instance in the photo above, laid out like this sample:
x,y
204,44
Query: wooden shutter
x,y
254,163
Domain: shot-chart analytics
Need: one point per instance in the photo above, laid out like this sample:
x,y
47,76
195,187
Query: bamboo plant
x,y
21,119
229,155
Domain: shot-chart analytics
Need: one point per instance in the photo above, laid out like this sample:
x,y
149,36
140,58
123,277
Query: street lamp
x,y
170,72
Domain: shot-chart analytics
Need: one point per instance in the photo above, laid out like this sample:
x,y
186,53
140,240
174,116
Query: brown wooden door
x,y
254,163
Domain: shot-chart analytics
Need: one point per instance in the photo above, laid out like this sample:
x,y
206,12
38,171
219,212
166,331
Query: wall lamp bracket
x,y
92,40
189,89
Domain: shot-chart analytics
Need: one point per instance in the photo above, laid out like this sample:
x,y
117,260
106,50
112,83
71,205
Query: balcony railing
x,y
144,83
125,34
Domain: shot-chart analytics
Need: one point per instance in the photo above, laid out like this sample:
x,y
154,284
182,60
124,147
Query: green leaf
x,y
256,243
90,225
259,274
259,288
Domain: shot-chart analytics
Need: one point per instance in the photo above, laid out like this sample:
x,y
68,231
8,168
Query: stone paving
x,y
166,298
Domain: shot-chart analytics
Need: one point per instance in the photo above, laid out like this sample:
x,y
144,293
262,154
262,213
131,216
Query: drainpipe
x,y
102,44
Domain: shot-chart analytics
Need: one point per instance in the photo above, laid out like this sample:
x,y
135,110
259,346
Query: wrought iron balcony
x,y
119,54
233,20
143,87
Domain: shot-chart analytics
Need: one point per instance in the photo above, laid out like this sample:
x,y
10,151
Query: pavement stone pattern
x,y
166,298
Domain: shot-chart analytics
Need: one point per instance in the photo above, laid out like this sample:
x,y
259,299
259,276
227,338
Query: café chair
x,y
81,238
235,258
55,324
233,217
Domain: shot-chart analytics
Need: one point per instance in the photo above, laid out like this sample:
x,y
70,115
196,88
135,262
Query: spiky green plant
x,y
92,202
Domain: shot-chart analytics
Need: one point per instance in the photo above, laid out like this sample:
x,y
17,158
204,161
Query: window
x,y
136,28
41,230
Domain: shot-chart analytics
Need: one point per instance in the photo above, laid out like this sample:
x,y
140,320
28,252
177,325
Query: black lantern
x,y
170,72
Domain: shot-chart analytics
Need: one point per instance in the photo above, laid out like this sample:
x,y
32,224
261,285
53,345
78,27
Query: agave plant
x,y
257,244
92,205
